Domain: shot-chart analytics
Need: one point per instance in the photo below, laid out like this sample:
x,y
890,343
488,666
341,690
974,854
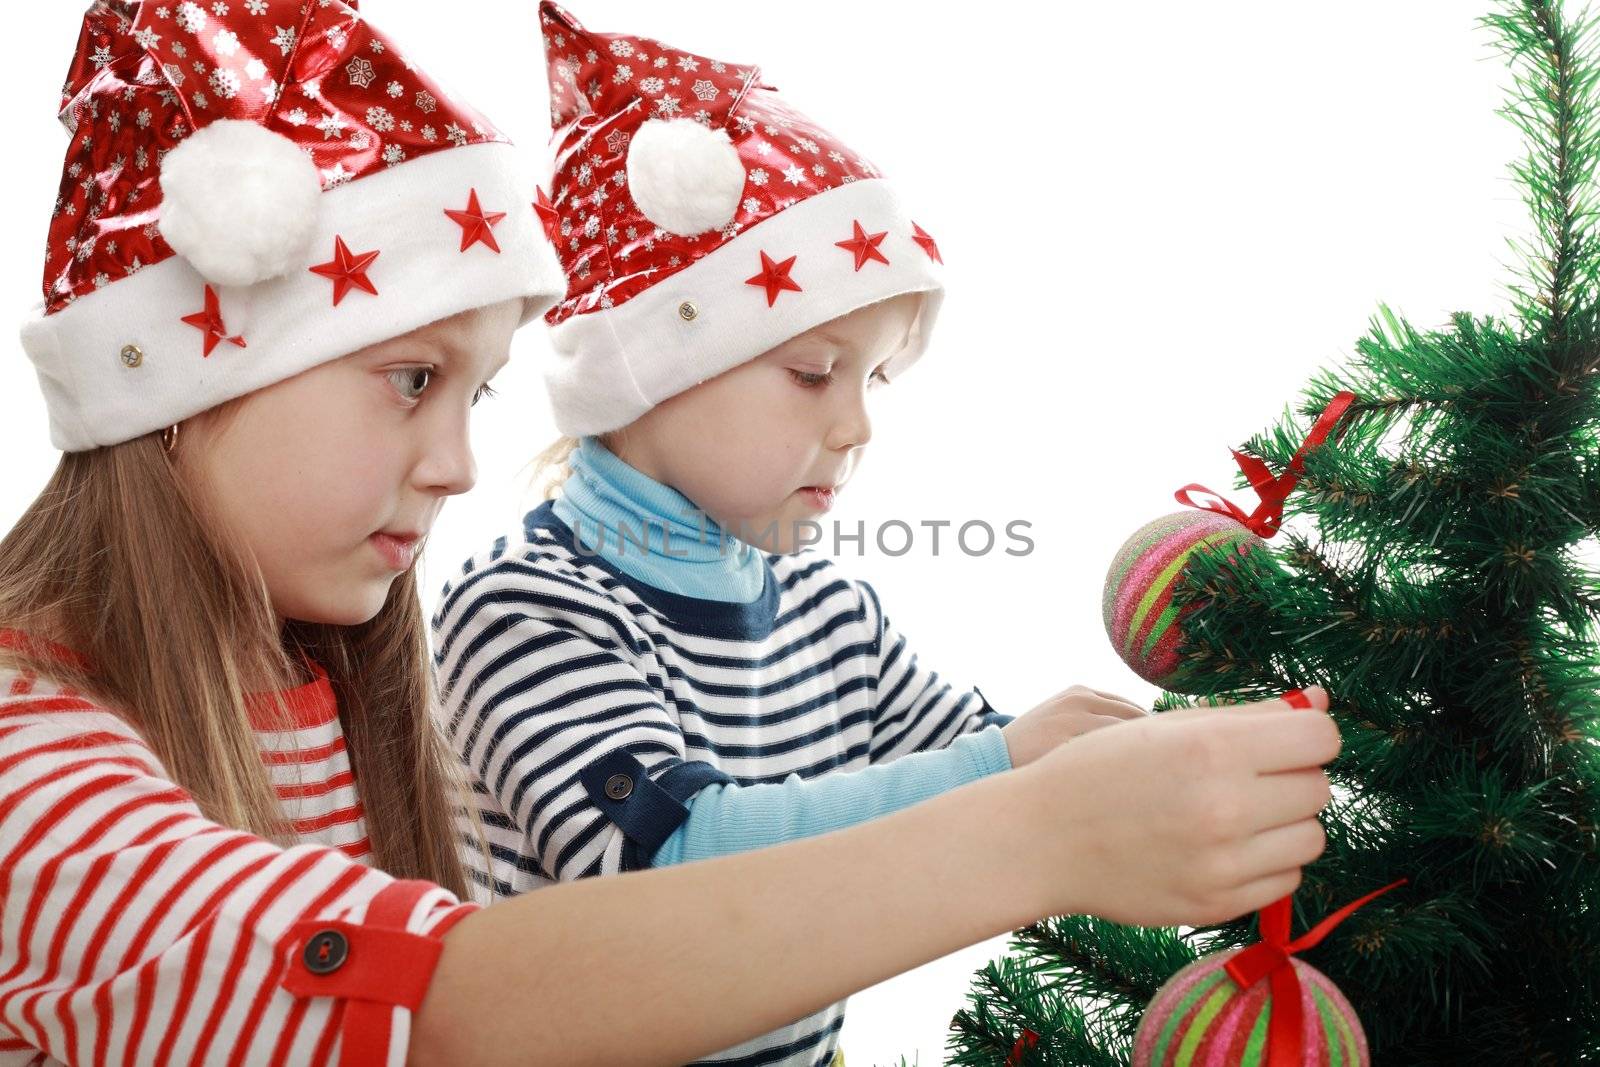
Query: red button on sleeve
x,y
390,966
385,966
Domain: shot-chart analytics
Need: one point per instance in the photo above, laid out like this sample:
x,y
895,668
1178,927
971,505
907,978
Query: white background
x,y
1159,219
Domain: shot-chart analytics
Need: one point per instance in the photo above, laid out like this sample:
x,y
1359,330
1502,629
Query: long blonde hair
x,y
116,560
553,466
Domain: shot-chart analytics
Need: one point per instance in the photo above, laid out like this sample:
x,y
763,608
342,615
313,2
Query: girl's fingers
x,y
1255,895
1283,849
1315,696
1284,740
1287,798
1264,738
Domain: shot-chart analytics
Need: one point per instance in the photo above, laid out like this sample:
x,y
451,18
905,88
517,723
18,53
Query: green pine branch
x,y
1429,575
1554,71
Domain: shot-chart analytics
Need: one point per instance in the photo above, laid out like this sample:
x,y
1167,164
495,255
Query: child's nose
x,y
853,427
449,467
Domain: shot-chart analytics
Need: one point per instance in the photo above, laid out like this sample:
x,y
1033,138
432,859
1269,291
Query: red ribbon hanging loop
x,y
1273,491
1269,958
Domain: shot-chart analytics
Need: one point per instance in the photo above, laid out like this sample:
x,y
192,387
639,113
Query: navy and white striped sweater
x,y
560,675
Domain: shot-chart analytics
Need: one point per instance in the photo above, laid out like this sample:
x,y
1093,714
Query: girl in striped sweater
x,y
649,670
227,822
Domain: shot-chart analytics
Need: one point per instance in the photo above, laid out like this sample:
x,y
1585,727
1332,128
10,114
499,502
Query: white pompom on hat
x,y
684,176
239,202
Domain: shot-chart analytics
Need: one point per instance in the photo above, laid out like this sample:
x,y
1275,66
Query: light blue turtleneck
x,y
653,533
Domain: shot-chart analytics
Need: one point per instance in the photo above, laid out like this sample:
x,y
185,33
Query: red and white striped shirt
x,y
135,930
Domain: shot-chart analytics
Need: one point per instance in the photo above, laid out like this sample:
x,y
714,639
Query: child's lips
x,y
397,550
821,498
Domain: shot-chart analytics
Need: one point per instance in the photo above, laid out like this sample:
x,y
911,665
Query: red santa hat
x,y
254,188
701,221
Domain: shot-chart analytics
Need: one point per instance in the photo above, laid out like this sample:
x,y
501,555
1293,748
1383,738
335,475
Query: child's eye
x,y
482,393
411,378
811,380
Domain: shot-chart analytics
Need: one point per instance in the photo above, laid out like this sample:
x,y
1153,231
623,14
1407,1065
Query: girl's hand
x,y
1191,817
1073,711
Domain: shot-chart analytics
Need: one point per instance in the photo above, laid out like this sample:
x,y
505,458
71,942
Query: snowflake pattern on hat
x,y
603,87
701,221
146,76
253,188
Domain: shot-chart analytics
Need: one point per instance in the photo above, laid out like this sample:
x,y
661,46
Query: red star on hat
x,y
775,277
475,223
209,321
347,271
865,246
922,238
547,213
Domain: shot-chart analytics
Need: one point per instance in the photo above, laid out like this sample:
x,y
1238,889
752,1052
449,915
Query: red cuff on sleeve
x,y
374,965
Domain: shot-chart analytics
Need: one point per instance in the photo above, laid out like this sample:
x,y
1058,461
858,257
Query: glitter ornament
x,y
1141,618
1137,602
1201,1016
1257,1006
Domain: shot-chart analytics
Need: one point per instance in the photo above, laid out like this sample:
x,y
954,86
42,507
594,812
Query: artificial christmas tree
x,y
1440,597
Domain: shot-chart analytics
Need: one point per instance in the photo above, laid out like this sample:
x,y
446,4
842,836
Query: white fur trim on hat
x,y
239,202
684,176
289,323
612,365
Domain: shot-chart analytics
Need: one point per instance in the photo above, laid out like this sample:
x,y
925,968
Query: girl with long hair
x,y
283,266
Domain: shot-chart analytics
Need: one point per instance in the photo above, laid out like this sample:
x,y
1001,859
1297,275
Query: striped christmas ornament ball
x,y
1201,1018
1141,619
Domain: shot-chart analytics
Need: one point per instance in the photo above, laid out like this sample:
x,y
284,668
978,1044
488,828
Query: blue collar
x,y
751,621
651,532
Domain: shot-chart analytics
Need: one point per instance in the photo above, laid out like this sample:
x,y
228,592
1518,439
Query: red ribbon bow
x,y
1270,958
1273,491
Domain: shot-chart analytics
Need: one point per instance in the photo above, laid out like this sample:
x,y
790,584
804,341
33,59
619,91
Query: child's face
x,y
306,472
745,445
